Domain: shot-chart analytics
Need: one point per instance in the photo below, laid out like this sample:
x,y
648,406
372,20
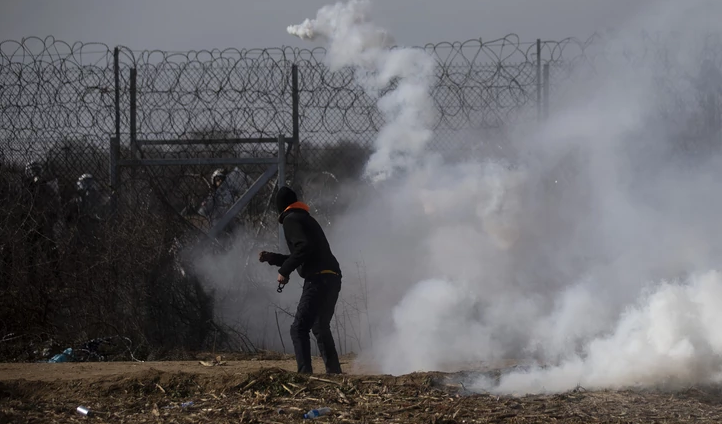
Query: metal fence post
x,y
296,147
115,141
546,91
281,183
294,99
133,112
114,174
281,161
134,154
538,81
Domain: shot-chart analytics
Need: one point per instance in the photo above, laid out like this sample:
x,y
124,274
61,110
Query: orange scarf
x,y
298,205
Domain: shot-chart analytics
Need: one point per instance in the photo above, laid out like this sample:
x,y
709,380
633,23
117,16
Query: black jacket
x,y
310,251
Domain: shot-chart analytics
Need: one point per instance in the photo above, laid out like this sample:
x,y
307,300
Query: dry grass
x,y
275,395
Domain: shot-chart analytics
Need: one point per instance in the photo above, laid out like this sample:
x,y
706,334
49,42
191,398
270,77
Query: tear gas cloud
x,y
587,250
353,41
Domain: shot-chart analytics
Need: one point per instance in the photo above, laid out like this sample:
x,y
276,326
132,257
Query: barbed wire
x,y
58,100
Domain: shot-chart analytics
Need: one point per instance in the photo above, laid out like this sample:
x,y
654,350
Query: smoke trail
x,y
353,41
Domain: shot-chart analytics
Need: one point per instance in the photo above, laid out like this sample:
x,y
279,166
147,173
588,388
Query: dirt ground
x,y
222,390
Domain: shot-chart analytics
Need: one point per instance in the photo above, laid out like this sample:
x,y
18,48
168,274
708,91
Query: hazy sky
x,y
197,24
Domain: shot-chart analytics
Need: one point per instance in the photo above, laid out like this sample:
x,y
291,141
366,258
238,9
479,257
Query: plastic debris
x,y
66,356
315,413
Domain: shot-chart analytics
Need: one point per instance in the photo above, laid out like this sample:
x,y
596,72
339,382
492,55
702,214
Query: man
x,y
87,211
316,264
218,200
226,188
43,202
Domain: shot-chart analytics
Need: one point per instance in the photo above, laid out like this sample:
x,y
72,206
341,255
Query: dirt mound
x,y
236,392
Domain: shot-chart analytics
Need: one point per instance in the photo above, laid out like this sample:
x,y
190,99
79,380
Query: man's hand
x,y
274,259
281,283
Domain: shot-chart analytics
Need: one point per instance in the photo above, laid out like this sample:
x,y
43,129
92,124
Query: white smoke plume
x,y
353,41
588,250
668,337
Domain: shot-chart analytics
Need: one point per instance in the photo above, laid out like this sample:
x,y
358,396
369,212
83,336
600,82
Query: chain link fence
x,y
86,257
63,105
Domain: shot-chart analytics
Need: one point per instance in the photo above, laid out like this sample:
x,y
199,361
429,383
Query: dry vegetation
x,y
130,277
246,392
127,285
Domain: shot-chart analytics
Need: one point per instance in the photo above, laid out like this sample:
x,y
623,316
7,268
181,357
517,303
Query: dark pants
x,y
314,313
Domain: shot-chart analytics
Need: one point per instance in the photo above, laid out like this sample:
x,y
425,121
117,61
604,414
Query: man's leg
x,y
322,326
306,314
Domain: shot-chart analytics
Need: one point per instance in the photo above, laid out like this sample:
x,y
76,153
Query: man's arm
x,y
273,259
300,246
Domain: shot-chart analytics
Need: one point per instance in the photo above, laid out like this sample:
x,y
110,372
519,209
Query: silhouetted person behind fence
x,y
311,256
87,210
226,188
43,203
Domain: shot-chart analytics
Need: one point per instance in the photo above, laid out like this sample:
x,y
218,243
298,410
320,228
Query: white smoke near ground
x,y
668,337
587,252
353,41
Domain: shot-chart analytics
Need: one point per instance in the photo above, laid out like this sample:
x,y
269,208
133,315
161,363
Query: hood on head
x,y
285,198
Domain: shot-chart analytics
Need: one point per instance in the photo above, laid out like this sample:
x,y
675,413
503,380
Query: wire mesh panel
x,y
60,105
57,106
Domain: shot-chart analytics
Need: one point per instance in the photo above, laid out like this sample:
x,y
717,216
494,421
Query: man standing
x,y
87,212
43,203
311,255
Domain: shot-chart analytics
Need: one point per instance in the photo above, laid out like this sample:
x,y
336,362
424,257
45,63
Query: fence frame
x,y
276,165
